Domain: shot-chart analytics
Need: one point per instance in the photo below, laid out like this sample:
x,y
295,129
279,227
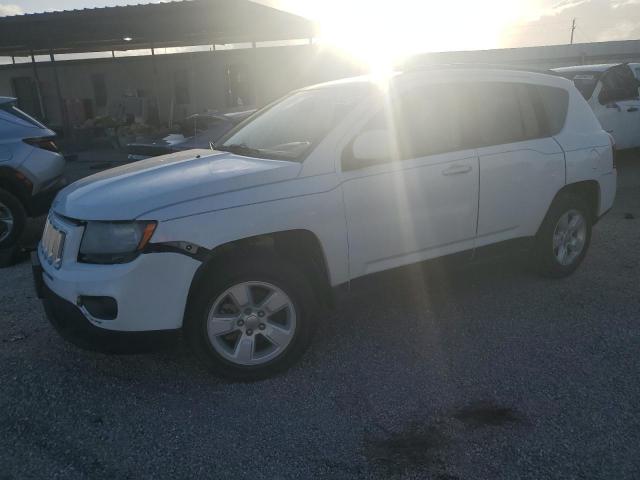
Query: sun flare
x,y
383,33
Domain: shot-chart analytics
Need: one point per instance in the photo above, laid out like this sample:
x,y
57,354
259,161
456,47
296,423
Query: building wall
x,y
272,72
139,84
542,57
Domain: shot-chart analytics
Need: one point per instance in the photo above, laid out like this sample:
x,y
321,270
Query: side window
x,y
531,118
427,121
555,103
498,115
420,122
515,112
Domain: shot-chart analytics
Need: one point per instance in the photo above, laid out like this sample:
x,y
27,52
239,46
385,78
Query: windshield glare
x,y
291,128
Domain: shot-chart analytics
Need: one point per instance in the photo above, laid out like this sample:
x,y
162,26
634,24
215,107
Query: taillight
x,y
44,143
614,154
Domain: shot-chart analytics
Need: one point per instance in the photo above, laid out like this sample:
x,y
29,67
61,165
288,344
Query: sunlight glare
x,y
382,34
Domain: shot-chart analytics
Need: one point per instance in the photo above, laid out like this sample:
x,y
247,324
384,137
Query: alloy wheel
x,y
251,323
569,237
6,222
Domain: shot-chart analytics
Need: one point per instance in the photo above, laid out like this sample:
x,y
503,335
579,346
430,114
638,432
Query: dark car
x,y
199,131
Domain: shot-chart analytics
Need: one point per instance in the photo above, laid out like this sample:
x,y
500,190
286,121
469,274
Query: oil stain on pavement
x,y
424,447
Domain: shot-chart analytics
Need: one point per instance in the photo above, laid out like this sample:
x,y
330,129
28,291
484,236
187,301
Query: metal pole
x,y
155,82
573,28
63,109
38,92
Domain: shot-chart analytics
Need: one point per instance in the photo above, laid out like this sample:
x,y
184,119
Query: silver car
x,y
31,170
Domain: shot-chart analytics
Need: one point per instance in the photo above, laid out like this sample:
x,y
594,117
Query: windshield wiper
x,y
240,149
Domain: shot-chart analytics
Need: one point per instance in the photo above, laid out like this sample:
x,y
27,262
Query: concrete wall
x,y
543,57
273,71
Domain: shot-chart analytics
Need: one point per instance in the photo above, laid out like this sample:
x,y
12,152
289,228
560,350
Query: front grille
x,y
52,244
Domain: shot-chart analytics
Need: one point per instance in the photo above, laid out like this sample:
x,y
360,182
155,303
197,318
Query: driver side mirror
x,y
372,147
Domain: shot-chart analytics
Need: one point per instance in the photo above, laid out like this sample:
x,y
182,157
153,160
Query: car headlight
x,y
114,242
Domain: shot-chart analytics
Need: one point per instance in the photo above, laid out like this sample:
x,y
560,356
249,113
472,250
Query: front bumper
x,y
150,292
71,323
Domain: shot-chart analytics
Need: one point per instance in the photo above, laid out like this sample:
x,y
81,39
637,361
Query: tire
x,y
271,281
567,226
13,219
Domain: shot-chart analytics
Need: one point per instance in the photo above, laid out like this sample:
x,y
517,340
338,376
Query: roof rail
x,y
418,67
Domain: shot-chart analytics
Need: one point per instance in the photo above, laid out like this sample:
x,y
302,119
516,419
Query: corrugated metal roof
x,y
107,7
165,24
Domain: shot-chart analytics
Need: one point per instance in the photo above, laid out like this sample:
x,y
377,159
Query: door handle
x,y
632,109
457,170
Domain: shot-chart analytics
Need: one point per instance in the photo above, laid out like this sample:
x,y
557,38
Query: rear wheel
x,y
563,239
251,319
12,219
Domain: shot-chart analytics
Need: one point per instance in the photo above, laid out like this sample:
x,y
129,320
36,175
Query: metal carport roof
x,y
158,25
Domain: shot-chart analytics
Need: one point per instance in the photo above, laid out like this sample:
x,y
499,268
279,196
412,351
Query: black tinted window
x,y
514,112
555,103
498,118
427,121
531,118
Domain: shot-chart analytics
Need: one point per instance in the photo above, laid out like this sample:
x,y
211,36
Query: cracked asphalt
x,y
483,372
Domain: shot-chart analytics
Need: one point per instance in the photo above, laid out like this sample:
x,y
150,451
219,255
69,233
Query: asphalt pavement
x,y
485,372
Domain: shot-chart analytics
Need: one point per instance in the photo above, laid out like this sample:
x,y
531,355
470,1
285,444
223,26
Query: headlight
x,y
114,242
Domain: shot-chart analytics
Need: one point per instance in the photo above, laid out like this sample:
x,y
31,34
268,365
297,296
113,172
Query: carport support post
x,y
38,92
155,81
63,109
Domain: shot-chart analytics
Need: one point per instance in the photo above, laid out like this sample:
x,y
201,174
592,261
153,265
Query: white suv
x,y
240,247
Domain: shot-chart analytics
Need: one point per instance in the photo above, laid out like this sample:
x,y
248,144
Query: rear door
x,y
521,165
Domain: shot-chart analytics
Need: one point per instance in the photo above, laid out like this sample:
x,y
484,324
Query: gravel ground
x,y
487,372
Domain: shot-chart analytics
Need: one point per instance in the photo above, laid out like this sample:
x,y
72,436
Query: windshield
x,y
292,127
585,82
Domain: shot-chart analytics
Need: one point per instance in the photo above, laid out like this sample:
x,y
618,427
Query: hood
x,y
127,192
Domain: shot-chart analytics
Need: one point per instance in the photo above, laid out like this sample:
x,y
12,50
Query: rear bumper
x,y
73,326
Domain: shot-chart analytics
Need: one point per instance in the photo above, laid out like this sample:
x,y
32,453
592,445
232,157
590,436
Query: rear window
x,y
16,112
585,82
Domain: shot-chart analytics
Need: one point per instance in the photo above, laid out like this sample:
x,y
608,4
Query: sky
x,y
441,25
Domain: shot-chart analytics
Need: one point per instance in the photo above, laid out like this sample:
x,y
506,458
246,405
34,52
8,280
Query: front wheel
x,y
251,318
563,239
12,219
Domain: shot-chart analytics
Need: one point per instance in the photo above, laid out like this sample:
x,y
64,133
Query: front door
x,y
423,202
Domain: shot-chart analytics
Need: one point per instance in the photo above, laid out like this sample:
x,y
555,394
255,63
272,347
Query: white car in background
x,y
31,170
612,92
241,247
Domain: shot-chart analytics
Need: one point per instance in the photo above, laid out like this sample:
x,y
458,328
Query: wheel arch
x,y
299,246
589,190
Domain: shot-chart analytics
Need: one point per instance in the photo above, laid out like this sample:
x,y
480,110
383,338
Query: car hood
x,y
129,191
